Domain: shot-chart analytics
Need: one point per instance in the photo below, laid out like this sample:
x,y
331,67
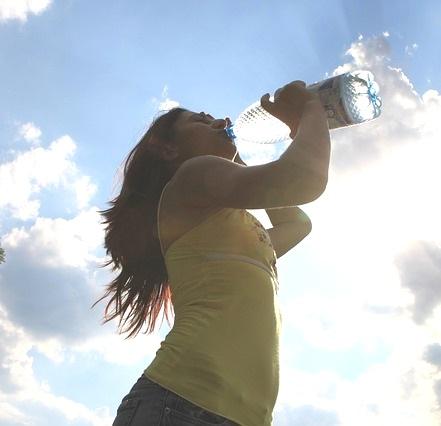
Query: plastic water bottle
x,y
348,99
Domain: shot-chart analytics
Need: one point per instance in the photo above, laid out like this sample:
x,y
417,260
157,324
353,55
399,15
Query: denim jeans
x,y
149,404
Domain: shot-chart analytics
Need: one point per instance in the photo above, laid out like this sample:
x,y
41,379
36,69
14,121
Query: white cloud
x,y
114,350
30,133
57,253
66,408
167,103
59,256
398,391
420,268
164,103
58,243
341,322
433,354
42,168
22,396
15,364
50,280
32,171
21,9
410,50
52,349
391,393
11,416
84,191
306,415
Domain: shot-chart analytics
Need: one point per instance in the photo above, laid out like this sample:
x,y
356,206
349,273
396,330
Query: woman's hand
x,y
289,102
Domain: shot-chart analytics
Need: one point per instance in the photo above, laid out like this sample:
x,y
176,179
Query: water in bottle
x,y
348,99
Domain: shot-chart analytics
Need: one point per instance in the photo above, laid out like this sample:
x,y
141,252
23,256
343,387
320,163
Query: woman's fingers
x,y
266,103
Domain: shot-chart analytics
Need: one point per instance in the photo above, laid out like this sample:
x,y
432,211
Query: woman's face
x,y
201,134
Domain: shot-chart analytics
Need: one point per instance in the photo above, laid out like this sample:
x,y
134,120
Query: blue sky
x,y
360,299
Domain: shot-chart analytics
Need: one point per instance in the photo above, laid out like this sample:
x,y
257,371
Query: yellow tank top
x,y
222,352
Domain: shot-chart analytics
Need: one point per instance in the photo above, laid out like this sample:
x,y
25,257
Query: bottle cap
x,y
230,132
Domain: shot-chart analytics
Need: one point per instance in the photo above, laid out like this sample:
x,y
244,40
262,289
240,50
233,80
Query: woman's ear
x,y
169,152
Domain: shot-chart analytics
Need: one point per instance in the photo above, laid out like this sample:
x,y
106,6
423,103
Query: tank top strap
x,y
192,230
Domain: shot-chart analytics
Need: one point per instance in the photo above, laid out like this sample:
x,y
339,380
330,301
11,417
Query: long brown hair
x,y
141,288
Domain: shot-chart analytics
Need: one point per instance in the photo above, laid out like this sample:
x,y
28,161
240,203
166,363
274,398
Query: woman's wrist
x,y
312,106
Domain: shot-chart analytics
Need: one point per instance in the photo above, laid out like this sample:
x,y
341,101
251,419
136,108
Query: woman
x,y
179,231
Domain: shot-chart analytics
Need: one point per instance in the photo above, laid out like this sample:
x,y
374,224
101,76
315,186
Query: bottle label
x,y
330,93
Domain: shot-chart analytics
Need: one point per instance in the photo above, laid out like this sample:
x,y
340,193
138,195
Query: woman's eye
x,y
205,118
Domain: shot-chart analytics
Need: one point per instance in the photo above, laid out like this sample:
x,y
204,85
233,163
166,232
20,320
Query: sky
x,y
360,296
